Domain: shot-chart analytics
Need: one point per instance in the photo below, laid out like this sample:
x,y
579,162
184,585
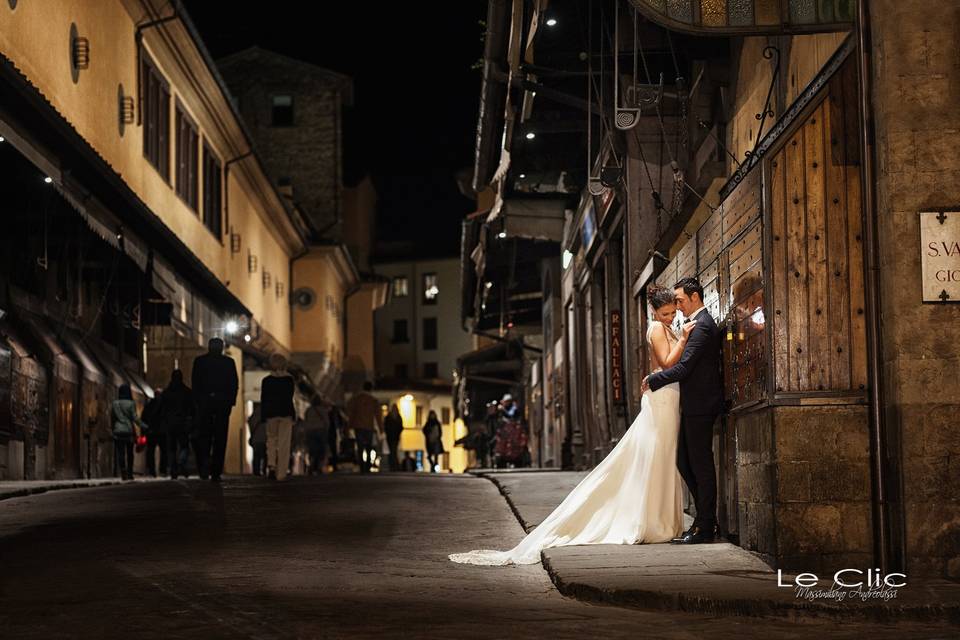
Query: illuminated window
x,y
430,288
282,115
400,287
419,415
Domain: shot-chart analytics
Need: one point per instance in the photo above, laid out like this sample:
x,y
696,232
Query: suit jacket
x,y
698,372
214,380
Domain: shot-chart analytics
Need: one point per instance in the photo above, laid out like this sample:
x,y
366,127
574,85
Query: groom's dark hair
x,y
690,286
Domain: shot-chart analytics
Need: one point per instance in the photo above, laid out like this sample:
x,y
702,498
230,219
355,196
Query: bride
x,y
634,494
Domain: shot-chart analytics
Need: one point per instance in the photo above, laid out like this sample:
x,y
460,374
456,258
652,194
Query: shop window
x,y
400,331
187,145
282,114
212,193
430,370
400,287
429,334
430,288
155,110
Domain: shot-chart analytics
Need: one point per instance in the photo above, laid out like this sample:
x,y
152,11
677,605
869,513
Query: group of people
x,y
500,439
178,417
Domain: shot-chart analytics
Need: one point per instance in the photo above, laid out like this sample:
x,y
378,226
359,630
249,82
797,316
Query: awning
x,y
95,184
534,218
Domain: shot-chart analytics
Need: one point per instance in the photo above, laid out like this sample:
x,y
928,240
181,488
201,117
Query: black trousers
x,y
123,450
393,441
214,423
201,441
259,459
364,449
178,452
155,440
695,462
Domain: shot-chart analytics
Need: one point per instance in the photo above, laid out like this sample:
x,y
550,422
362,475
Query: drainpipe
x,y
877,427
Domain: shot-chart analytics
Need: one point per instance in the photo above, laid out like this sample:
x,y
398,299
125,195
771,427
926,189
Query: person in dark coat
x,y
279,414
393,427
177,411
215,386
433,432
258,440
316,427
334,435
156,435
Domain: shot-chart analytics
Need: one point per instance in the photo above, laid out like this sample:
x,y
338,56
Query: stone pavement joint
x,y
718,579
21,488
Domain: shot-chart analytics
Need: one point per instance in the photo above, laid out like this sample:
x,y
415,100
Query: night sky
x,y
413,123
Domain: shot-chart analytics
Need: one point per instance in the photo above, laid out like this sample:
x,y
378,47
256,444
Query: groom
x,y
701,401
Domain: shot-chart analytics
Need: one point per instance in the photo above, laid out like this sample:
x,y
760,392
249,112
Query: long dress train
x,y
634,495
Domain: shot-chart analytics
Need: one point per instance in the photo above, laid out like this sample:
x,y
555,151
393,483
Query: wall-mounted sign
x,y
940,255
616,355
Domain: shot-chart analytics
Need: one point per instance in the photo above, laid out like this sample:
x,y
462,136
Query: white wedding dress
x,y
634,495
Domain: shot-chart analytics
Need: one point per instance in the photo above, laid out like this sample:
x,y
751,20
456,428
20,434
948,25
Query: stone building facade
x,y
784,161
294,110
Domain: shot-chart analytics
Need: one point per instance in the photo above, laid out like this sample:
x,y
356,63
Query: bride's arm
x,y
661,348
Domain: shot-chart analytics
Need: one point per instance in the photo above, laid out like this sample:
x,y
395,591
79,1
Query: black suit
x,y
215,386
701,401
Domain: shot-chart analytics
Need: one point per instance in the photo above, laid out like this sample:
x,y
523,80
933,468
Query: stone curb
x,y
20,492
795,610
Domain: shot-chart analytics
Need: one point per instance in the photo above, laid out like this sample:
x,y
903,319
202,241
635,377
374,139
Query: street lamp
x,y
231,327
531,135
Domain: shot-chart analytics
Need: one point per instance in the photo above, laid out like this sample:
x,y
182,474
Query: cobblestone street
x,y
340,556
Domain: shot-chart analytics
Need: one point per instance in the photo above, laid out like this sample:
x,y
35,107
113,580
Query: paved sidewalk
x,y
719,578
20,488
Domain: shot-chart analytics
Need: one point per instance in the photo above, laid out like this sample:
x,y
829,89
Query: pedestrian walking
x,y
276,406
393,427
335,435
156,435
316,426
366,421
177,411
258,440
127,427
215,387
433,432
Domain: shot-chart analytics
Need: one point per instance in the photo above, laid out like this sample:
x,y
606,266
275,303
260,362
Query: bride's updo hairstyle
x,y
658,296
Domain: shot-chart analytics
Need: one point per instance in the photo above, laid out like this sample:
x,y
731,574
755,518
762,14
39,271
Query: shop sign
x,y
616,357
940,255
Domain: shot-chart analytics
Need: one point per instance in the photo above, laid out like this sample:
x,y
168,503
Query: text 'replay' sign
x,y
940,255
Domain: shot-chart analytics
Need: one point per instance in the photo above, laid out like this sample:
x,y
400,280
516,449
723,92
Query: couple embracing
x,y
634,495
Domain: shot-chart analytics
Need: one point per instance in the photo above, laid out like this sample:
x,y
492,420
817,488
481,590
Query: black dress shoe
x,y
695,535
679,537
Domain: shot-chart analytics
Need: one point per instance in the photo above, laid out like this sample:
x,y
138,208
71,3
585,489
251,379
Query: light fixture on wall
x,y
266,279
251,263
79,53
125,104
279,289
234,241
